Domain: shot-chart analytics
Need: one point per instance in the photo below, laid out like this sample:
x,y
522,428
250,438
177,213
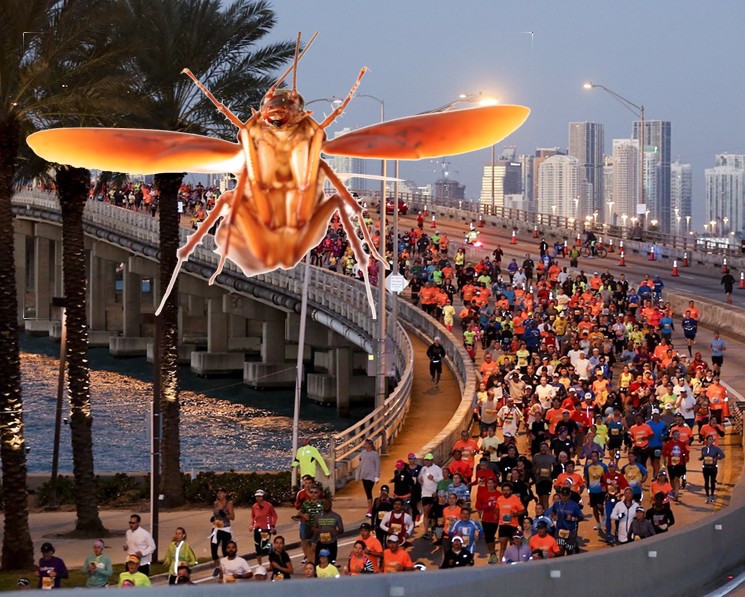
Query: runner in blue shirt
x,y
659,428
470,530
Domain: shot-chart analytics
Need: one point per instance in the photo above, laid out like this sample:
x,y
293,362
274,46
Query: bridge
x,y
718,534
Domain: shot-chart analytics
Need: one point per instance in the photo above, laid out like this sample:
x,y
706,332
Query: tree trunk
x,y
72,189
167,329
18,549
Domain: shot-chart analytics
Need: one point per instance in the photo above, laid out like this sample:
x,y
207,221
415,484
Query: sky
x,y
681,59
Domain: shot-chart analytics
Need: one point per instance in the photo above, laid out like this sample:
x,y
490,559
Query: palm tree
x,y
50,51
220,44
72,188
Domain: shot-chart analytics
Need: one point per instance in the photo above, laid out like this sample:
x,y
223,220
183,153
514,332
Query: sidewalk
x,y
431,409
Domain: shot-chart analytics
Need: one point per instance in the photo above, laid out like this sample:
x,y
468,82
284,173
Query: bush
x,y
240,486
199,491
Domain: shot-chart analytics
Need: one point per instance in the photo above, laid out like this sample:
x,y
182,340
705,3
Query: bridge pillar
x,y
343,367
43,271
97,294
130,343
20,256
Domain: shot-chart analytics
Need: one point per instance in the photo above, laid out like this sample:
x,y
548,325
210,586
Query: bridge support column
x,y
20,256
343,367
217,360
39,325
131,343
101,294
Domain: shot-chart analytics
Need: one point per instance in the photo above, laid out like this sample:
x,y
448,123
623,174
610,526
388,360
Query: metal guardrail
x,y
469,210
331,292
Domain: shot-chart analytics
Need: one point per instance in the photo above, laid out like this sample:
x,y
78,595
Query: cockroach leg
x,y
222,108
193,240
349,202
340,108
359,253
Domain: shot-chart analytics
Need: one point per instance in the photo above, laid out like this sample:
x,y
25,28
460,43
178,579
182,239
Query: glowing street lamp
x,y
638,111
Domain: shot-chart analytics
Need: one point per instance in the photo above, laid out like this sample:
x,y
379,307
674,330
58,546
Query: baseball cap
x,y
698,354
457,538
429,456
400,464
261,570
541,524
391,539
366,525
325,552
411,455
565,491
133,558
640,509
384,488
259,493
47,547
23,582
655,411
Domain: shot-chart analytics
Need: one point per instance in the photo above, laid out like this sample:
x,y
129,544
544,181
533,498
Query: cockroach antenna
x,y
294,66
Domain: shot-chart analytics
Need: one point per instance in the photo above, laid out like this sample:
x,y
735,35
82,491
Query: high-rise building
x,y
586,142
625,179
657,134
610,203
725,194
504,179
447,188
559,186
681,196
542,154
342,164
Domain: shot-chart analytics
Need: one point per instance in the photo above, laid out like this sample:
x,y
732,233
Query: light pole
x,y
638,111
688,224
624,217
380,383
301,339
611,214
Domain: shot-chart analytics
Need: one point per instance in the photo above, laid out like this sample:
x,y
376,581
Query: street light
x,y
624,217
611,214
301,338
638,111
380,383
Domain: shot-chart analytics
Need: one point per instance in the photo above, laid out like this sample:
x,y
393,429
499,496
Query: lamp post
x,y
611,214
380,383
624,217
688,224
301,339
638,111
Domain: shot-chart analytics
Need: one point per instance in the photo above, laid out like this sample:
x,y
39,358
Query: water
x,y
225,425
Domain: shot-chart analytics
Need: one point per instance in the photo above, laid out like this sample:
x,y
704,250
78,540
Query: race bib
x,y
381,515
674,460
324,537
615,431
265,536
708,460
219,524
563,534
506,518
47,582
544,472
395,529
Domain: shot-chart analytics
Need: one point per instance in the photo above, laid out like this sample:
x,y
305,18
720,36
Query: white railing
x,y
336,294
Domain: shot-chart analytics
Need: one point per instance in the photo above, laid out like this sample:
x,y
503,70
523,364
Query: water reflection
x,y
224,424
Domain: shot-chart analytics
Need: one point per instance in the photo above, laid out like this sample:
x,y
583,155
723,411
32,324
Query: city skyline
x,y
539,55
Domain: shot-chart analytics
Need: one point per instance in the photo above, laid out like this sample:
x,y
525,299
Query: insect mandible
x,y
278,211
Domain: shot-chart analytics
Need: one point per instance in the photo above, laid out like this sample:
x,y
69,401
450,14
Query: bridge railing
x,y
333,293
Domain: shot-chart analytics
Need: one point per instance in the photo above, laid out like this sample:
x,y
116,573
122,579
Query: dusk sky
x,y
681,59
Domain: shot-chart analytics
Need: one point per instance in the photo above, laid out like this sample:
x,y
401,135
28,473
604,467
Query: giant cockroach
x,y
278,211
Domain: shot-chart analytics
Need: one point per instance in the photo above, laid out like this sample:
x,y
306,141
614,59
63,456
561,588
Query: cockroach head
x,y
281,107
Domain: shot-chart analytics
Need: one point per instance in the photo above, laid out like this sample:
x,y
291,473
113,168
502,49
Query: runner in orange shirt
x,y
717,395
510,508
640,434
542,544
395,558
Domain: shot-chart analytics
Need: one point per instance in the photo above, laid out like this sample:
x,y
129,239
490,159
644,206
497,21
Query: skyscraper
x,y
725,194
348,165
625,178
541,154
559,186
681,196
657,134
586,141
505,179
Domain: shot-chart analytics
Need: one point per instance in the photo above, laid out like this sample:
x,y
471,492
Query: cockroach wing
x,y
137,151
430,135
